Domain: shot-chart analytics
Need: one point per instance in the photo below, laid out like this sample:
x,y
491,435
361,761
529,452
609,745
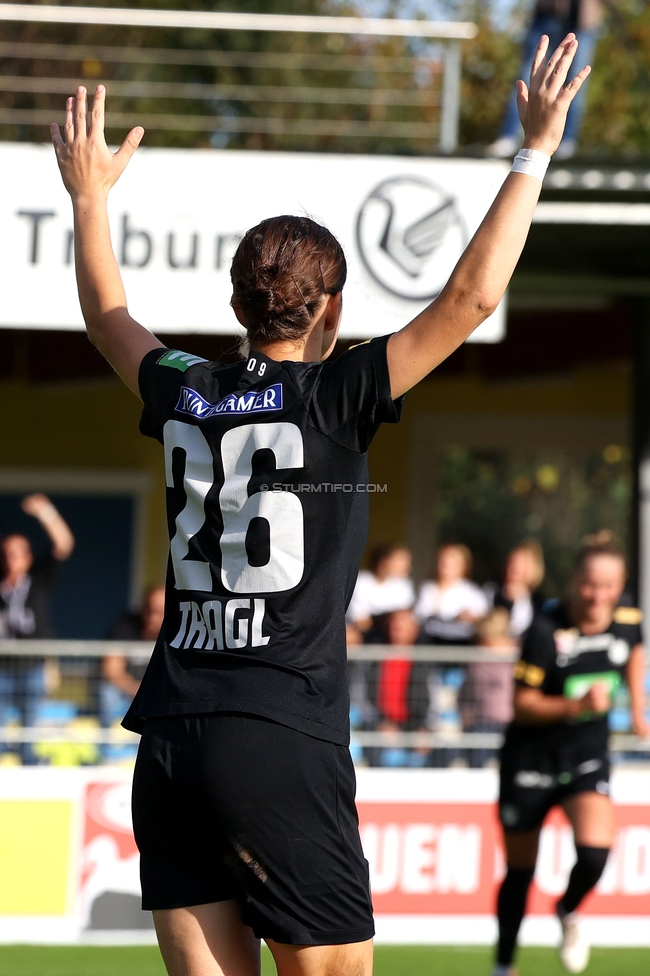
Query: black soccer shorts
x,y
236,806
534,779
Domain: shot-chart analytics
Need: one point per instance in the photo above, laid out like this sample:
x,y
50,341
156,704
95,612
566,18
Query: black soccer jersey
x,y
559,660
267,501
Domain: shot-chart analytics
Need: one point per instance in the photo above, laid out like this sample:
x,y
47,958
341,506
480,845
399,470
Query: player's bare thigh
x,y
353,959
212,940
207,940
592,817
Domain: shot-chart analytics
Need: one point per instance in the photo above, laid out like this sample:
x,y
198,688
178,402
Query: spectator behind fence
x,y
485,698
448,605
398,692
384,587
25,586
556,18
520,591
122,675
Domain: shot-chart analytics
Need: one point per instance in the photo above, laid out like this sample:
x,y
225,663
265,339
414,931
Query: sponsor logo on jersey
x,y
576,687
179,360
570,644
264,401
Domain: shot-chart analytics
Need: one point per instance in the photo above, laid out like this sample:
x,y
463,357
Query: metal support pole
x,y
448,140
640,535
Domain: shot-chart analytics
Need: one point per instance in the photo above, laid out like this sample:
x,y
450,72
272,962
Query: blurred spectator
x,y
122,675
555,18
399,693
520,591
485,698
25,584
384,587
448,605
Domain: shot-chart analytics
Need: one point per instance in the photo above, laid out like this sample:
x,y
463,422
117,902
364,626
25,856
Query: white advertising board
x,y
177,216
69,864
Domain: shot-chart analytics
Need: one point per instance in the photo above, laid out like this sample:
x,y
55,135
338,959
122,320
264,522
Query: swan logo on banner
x,y
410,235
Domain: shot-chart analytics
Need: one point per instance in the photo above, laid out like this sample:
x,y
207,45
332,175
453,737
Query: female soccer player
x,y
244,789
555,751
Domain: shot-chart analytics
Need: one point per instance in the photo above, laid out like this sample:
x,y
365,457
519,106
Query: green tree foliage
x,y
492,500
618,115
490,65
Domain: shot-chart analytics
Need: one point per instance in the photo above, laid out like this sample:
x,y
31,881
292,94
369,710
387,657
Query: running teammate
x,y
555,752
244,788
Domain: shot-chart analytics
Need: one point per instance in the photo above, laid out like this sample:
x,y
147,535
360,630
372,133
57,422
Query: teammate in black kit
x,y
244,789
555,751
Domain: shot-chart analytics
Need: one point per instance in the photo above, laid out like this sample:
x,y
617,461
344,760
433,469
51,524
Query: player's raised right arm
x,y
89,169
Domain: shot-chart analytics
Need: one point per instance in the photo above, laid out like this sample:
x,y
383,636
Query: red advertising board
x,y
446,858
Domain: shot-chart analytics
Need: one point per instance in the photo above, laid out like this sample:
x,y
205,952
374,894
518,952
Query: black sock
x,y
585,874
511,905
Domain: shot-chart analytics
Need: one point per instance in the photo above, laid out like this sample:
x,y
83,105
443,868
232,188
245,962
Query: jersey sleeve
x,y
160,378
352,396
538,655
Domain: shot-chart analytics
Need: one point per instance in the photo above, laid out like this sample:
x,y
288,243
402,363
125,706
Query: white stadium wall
x,y
69,865
177,216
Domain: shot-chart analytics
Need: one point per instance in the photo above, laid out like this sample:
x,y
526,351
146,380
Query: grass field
x,y
389,961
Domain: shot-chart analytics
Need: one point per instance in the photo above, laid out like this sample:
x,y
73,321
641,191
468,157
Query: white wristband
x,y
531,162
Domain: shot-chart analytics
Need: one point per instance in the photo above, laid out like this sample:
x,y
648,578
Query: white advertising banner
x,y
178,215
69,864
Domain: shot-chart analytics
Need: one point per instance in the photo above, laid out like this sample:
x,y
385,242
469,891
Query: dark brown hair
x,y
280,273
598,544
379,552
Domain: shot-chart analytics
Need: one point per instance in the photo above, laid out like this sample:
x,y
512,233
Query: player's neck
x,y
307,350
283,351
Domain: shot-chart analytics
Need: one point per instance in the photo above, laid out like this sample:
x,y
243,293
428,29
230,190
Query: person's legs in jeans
x,y
478,758
587,41
554,27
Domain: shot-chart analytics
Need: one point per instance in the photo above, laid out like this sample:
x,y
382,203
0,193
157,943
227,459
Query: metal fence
x,y
410,706
357,88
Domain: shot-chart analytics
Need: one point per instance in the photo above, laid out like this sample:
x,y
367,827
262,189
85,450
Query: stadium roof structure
x,y
590,237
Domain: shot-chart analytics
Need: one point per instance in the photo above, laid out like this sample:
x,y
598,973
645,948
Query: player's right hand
x,y
597,700
543,105
87,165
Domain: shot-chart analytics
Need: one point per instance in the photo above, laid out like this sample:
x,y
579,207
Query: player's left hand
x,y
87,165
544,103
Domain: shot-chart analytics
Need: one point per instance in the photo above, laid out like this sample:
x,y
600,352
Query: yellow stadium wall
x,y
589,392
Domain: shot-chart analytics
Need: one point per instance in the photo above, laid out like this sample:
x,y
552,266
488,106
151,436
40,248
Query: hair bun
x,y
280,272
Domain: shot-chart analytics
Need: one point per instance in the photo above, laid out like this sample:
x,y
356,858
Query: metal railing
x,y
76,663
222,100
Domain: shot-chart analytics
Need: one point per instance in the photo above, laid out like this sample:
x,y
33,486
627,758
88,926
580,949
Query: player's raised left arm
x,y
89,170
481,277
635,678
